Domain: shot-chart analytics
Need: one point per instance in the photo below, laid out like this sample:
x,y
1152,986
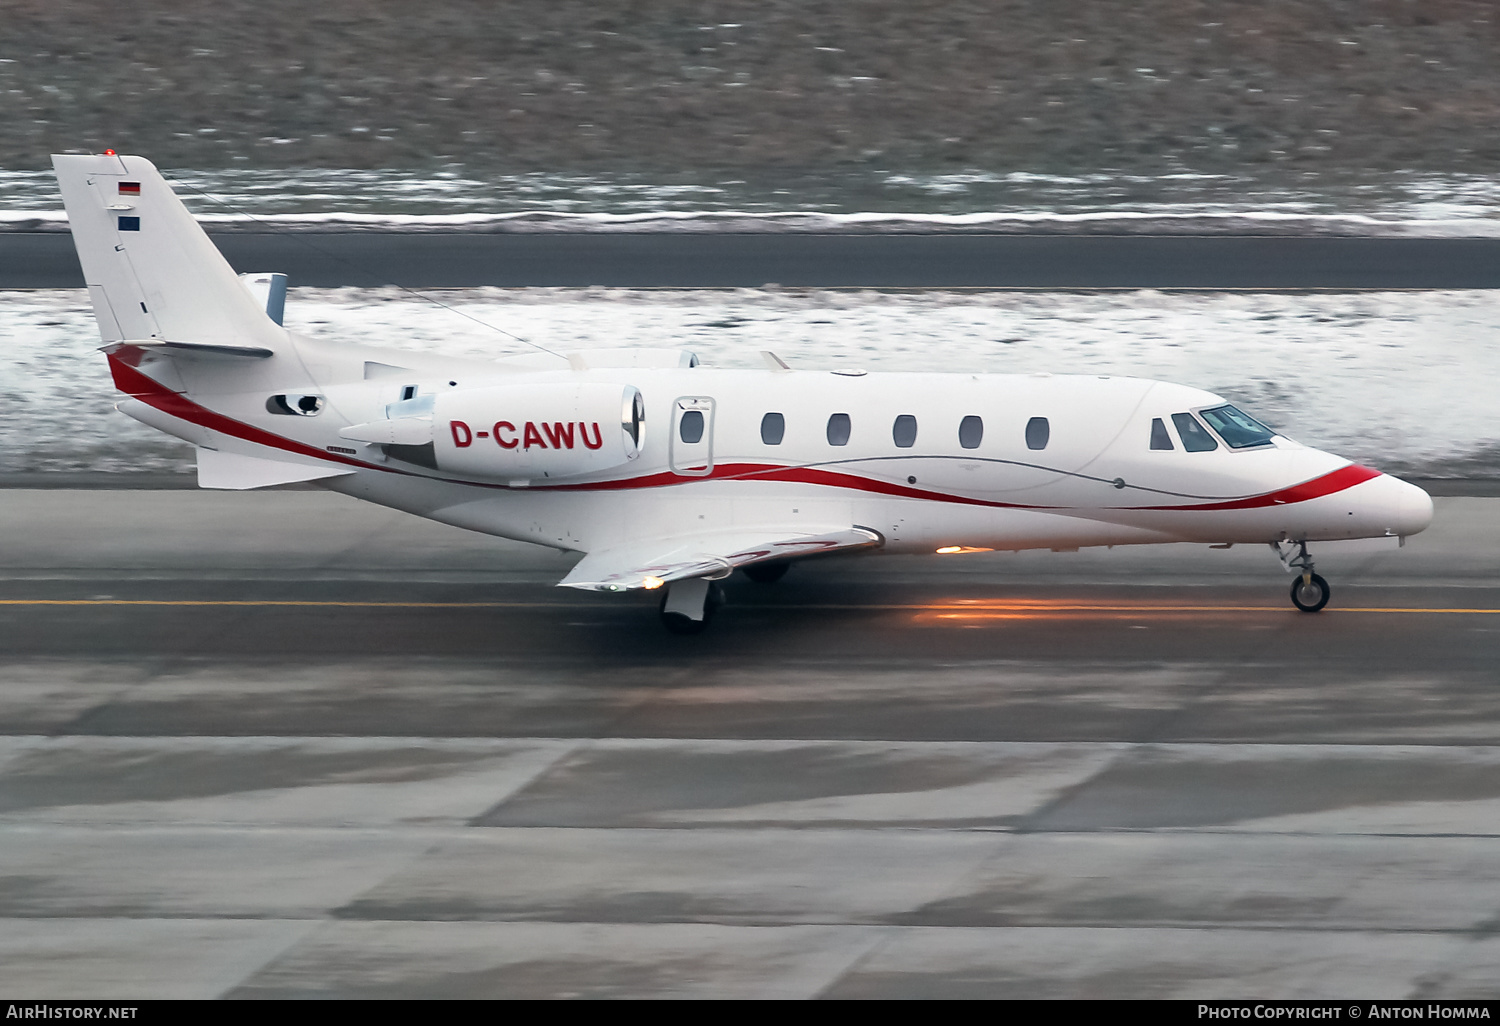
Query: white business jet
x,y
668,475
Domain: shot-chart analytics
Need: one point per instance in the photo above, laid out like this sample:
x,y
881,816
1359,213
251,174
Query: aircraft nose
x,y
1413,505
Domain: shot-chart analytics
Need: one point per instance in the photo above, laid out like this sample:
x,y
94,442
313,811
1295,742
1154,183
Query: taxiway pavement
x,y
286,744
805,260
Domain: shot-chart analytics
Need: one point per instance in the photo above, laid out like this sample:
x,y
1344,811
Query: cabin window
x,y
1194,437
1038,431
690,428
970,432
772,428
904,431
1239,430
838,429
1160,439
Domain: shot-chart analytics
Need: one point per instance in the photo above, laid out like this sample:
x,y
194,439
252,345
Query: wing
x,y
240,473
657,561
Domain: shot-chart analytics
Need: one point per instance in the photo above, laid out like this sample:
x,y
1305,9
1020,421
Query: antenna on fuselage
x,y
302,238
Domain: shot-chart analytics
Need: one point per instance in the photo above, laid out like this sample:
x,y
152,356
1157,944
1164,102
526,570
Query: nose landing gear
x,y
1310,592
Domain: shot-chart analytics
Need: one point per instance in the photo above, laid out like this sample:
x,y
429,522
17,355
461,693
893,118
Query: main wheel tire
x,y
766,573
676,623
1311,595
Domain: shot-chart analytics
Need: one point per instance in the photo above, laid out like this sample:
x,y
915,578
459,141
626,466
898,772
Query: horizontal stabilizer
x,y
200,349
661,560
235,472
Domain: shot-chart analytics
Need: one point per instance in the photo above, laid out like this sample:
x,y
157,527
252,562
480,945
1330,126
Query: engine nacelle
x,y
526,432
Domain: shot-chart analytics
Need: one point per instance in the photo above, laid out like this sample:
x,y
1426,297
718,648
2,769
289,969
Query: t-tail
x,y
182,331
154,277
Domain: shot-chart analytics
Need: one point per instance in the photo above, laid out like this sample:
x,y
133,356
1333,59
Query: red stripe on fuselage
x,y
152,392
1335,481
796,475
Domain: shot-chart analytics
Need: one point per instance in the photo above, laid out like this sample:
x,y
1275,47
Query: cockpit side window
x,y
1194,437
1239,430
1160,437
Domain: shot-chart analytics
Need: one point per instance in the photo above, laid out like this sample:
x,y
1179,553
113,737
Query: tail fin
x,y
151,271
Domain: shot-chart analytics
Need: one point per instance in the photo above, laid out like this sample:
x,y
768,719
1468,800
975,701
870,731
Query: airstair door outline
x,y
692,444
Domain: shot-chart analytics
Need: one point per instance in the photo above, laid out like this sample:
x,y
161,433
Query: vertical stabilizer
x,y
151,270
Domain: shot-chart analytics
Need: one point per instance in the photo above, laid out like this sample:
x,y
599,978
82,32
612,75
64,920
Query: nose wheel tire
x,y
1310,594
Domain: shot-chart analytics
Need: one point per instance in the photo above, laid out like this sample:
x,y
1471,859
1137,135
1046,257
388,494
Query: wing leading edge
x,y
661,560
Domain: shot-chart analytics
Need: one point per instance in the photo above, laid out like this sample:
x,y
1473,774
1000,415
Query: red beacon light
x,y
109,153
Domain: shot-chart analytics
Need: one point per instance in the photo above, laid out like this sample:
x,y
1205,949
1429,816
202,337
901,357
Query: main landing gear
x,y
766,573
689,605
1310,592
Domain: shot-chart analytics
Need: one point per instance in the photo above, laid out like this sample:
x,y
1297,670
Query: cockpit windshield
x,y
1239,430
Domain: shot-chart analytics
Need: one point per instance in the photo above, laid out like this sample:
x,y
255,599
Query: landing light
x,y
948,550
652,583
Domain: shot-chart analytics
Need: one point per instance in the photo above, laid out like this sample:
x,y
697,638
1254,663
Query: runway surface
x,y
690,260
282,744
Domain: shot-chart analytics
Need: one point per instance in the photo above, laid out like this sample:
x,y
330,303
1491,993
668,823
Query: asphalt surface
x,y
282,744
689,260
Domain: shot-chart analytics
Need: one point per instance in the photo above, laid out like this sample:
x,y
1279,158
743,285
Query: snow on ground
x,y
853,200
1402,380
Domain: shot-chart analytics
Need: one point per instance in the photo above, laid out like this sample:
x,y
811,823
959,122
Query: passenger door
x,y
691,448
